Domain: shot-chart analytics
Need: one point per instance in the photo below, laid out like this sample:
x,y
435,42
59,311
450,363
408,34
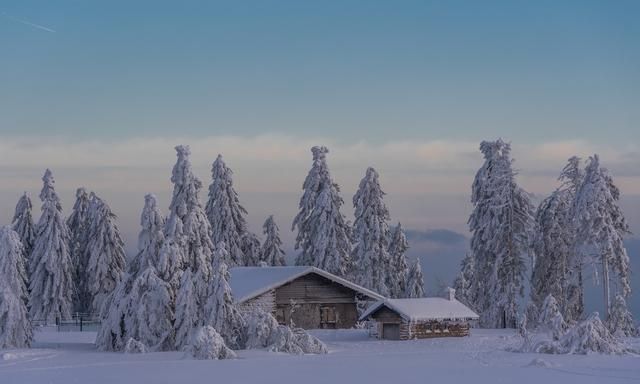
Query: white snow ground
x,y
353,358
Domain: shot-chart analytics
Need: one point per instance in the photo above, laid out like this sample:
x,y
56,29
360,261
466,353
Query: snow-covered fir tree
x,y
187,313
550,319
172,256
15,325
225,213
601,227
398,270
251,249
150,238
104,253
221,312
501,224
186,207
141,307
78,224
415,281
620,322
187,249
463,283
324,235
370,256
22,223
272,253
556,270
51,283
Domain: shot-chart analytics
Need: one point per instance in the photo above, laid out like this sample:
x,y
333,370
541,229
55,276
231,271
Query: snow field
x,y
353,358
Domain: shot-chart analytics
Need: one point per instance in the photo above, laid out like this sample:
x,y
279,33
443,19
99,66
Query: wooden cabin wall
x,y
429,329
266,302
419,329
312,295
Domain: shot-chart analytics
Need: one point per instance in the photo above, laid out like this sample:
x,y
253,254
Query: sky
x,y
101,92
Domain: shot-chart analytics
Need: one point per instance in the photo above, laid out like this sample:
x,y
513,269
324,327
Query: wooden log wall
x,y
444,328
266,302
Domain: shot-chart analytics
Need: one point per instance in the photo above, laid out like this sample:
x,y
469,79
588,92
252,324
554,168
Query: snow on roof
x,y
427,308
249,282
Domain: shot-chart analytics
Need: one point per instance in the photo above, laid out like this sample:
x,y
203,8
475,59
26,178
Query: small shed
x,y
404,319
306,297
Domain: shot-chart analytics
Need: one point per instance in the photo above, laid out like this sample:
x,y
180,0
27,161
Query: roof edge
x,y
304,272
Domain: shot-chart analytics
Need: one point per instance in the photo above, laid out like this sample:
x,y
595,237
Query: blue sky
x,y
102,91
351,69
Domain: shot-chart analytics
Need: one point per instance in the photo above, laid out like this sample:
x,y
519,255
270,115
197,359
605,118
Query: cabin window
x,y
328,317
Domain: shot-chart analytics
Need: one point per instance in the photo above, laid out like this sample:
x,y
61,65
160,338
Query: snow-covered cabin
x,y
308,297
404,319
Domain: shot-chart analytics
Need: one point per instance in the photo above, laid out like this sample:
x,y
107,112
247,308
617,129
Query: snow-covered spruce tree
x,y
601,227
150,238
398,270
15,325
186,206
572,177
556,270
501,224
324,235
104,253
220,310
22,223
415,281
225,213
187,249
51,270
251,249
141,307
78,224
620,322
463,283
271,252
550,319
187,313
370,256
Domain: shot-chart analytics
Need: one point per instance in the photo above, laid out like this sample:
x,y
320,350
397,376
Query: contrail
x,y
25,22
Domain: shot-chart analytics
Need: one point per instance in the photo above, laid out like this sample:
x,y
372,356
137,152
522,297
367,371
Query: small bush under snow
x,y
588,336
540,363
207,344
263,331
135,346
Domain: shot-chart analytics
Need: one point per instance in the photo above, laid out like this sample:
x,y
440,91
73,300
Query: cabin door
x,y
328,317
390,331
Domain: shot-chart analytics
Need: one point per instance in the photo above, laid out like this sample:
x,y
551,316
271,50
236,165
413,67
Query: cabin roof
x,y
249,282
427,308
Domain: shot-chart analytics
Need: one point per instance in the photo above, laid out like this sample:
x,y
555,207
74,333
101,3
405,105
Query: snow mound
x,y
207,344
8,356
540,363
135,346
263,331
589,336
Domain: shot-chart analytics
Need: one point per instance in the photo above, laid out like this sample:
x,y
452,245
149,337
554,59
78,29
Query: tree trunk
x,y
605,284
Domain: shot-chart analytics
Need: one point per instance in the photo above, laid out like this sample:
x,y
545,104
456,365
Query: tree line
x,y
178,281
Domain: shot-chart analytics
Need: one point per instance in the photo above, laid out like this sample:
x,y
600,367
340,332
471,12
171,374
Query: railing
x,y
79,322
